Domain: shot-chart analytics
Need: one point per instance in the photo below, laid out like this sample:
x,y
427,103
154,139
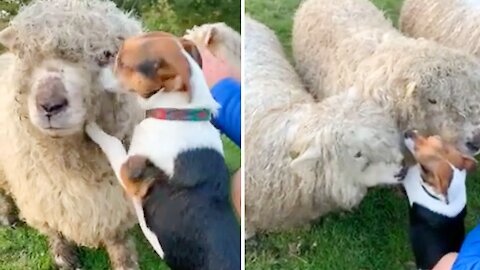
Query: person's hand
x,y
216,69
446,262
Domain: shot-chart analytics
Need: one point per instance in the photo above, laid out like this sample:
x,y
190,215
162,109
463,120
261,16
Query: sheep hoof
x,y
64,254
7,218
126,268
122,253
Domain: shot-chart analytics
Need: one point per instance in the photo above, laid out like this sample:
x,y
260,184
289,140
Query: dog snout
x,y
51,97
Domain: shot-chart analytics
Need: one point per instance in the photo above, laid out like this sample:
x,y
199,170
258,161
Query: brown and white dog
x,y
436,190
174,169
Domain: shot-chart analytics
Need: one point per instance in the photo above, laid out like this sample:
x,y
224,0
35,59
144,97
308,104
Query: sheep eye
x,y
358,154
432,101
104,59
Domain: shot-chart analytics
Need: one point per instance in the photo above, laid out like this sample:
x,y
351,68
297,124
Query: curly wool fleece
x,y
79,30
425,86
453,23
284,125
65,185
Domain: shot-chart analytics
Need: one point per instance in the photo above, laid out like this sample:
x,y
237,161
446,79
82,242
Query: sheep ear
x,y
108,80
304,164
211,33
7,37
410,89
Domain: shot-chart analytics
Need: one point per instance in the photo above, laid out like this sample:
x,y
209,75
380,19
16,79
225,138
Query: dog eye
x,y
160,63
358,154
432,101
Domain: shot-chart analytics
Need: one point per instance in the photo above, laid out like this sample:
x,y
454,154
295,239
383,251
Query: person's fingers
x,y
446,262
215,68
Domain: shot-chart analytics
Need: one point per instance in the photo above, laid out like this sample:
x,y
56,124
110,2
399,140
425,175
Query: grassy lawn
x,y
374,236
22,248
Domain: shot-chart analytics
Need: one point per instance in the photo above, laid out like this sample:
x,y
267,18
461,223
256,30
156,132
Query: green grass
x,y
374,236
22,248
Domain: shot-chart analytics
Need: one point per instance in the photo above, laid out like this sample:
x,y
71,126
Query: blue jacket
x,y
469,255
227,93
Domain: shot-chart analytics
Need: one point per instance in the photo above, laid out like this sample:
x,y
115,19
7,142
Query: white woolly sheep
x,y
424,86
60,180
221,40
453,23
303,158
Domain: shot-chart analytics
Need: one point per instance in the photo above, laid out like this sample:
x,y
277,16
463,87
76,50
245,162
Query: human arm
x,y
224,83
227,93
469,256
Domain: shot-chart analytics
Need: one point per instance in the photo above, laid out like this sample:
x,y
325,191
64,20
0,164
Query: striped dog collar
x,y
180,114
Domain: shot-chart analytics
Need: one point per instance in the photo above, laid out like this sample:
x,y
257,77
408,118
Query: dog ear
x,y
7,37
460,160
469,163
443,174
192,49
209,37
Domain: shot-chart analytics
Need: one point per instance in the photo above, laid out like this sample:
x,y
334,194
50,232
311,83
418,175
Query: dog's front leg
x,y
110,145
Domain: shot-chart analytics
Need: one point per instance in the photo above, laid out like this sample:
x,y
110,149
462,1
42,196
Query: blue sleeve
x,y
227,93
469,255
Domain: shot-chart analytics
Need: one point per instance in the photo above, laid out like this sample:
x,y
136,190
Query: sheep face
x,y
60,47
452,118
445,103
59,97
372,156
357,142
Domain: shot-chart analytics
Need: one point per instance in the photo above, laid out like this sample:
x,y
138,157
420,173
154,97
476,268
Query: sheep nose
x,y
54,106
51,98
474,143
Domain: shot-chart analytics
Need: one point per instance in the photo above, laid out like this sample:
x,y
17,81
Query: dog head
x,y
438,161
154,62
